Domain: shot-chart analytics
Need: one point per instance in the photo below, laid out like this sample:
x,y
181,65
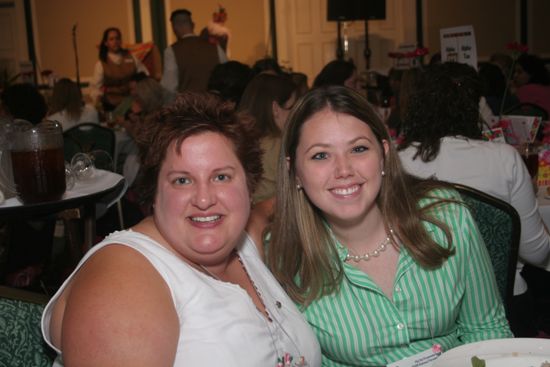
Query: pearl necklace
x,y
367,256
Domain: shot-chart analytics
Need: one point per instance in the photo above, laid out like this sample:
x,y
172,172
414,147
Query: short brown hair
x,y
190,114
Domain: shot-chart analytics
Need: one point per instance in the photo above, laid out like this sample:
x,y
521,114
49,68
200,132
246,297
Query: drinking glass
x,y
84,165
530,155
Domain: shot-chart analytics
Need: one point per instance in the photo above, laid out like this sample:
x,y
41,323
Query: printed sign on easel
x,y
459,44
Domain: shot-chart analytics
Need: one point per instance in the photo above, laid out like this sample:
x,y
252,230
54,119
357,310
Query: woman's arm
x,y
119,312
534,245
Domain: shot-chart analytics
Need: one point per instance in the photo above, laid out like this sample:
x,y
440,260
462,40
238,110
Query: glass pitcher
x,y
37,160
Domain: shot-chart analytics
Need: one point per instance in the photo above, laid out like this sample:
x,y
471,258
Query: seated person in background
x,y
228,80
532,81
268,98
112,72
24,101
67,106
338,72
442,139
407,86
300,79
503,61
148,97
267,65
186,286
383,265
494,85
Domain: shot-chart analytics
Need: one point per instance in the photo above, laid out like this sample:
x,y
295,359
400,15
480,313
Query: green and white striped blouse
x,y
455,304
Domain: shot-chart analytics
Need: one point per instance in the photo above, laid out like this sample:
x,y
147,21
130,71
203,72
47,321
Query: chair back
x,y
500,228
21,342
88,136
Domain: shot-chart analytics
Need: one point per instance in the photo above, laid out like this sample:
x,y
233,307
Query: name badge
x,y
425,359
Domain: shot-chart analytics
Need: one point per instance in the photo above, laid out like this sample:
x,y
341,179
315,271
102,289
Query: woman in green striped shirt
x,y
384,266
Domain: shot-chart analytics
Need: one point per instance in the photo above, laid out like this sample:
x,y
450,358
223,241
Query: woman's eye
x,y
360,149
319,156
182,181
221,177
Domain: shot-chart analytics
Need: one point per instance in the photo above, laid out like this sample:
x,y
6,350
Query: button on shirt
x,y
455,304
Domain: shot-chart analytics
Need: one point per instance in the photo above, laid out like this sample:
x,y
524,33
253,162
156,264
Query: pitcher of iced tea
x,y
37,161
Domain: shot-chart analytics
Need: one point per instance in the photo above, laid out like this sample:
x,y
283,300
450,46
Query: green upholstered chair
x,y
500,228
21,342
86,137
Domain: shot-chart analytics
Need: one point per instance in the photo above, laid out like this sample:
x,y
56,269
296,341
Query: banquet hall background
x,y
296,32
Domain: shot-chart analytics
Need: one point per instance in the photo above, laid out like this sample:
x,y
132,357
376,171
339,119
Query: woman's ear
x,y
386,147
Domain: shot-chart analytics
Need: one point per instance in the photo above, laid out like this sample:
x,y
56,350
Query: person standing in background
x,y
189,61
113,71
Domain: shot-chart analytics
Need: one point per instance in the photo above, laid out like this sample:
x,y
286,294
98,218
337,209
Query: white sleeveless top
x,y
219,323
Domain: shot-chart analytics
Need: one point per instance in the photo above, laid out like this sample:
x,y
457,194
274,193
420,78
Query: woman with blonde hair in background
x,y
268,98
67,106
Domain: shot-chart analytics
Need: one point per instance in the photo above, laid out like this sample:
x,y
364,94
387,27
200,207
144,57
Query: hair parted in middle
x,y
190,114
103,50
302,253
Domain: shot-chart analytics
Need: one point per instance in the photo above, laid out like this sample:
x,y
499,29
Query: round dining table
x,y
91,197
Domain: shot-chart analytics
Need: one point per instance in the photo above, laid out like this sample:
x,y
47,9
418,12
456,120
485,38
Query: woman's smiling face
x,y
202,202
339,164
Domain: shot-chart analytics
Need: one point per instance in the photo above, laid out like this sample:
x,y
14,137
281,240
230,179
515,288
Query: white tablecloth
x,y
100,180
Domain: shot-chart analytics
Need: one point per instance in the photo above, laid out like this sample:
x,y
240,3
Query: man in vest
x,y
189,61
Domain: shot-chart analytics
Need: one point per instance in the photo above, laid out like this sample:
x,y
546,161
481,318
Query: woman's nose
x,y
343,167
205,196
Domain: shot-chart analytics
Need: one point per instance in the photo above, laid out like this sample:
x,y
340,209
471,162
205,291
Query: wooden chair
x,y
500,228
21,342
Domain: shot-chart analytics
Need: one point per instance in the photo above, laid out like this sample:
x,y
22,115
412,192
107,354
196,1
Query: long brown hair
x,y
67,96
258,98
302,254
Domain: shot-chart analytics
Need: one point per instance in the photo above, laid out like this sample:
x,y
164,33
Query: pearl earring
x,y
298,187
383,173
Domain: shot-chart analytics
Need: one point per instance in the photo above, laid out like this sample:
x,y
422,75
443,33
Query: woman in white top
x,y
186,286
67,107
443,139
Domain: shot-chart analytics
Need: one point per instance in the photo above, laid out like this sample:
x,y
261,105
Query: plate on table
x,y
518,352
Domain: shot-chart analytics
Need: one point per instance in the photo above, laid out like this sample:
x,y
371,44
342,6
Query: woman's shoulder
x,y
111,293
89,113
